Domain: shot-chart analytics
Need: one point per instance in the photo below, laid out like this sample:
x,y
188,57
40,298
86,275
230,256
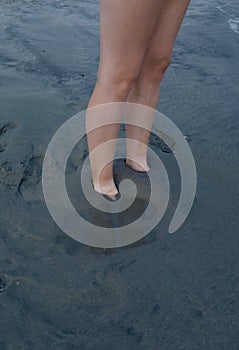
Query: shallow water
x,y
167,291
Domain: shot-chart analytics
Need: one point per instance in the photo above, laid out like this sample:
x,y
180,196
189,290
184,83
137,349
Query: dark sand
x,y
167,291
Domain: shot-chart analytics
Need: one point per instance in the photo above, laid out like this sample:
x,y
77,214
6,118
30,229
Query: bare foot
x,y
106,188
139,164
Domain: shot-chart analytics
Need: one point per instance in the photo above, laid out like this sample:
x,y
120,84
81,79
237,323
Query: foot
x,y
139,164
106,188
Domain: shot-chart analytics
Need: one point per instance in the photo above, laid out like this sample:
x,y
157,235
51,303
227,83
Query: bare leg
x,y
125,30
146,89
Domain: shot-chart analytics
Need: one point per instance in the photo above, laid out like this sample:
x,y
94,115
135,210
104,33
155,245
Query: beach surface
x,y
166,292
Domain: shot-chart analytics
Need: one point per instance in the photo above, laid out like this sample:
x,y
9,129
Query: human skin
x,y
136,44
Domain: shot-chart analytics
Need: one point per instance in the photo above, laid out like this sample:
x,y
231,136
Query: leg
x,y
146,89
125,30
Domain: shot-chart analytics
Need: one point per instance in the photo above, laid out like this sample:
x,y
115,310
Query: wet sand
x,y
167,292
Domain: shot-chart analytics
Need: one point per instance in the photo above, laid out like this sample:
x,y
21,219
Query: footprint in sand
x,y
30,184
5,283
6,130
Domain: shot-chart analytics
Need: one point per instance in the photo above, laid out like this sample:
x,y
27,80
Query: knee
x,y
155,68
116,81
